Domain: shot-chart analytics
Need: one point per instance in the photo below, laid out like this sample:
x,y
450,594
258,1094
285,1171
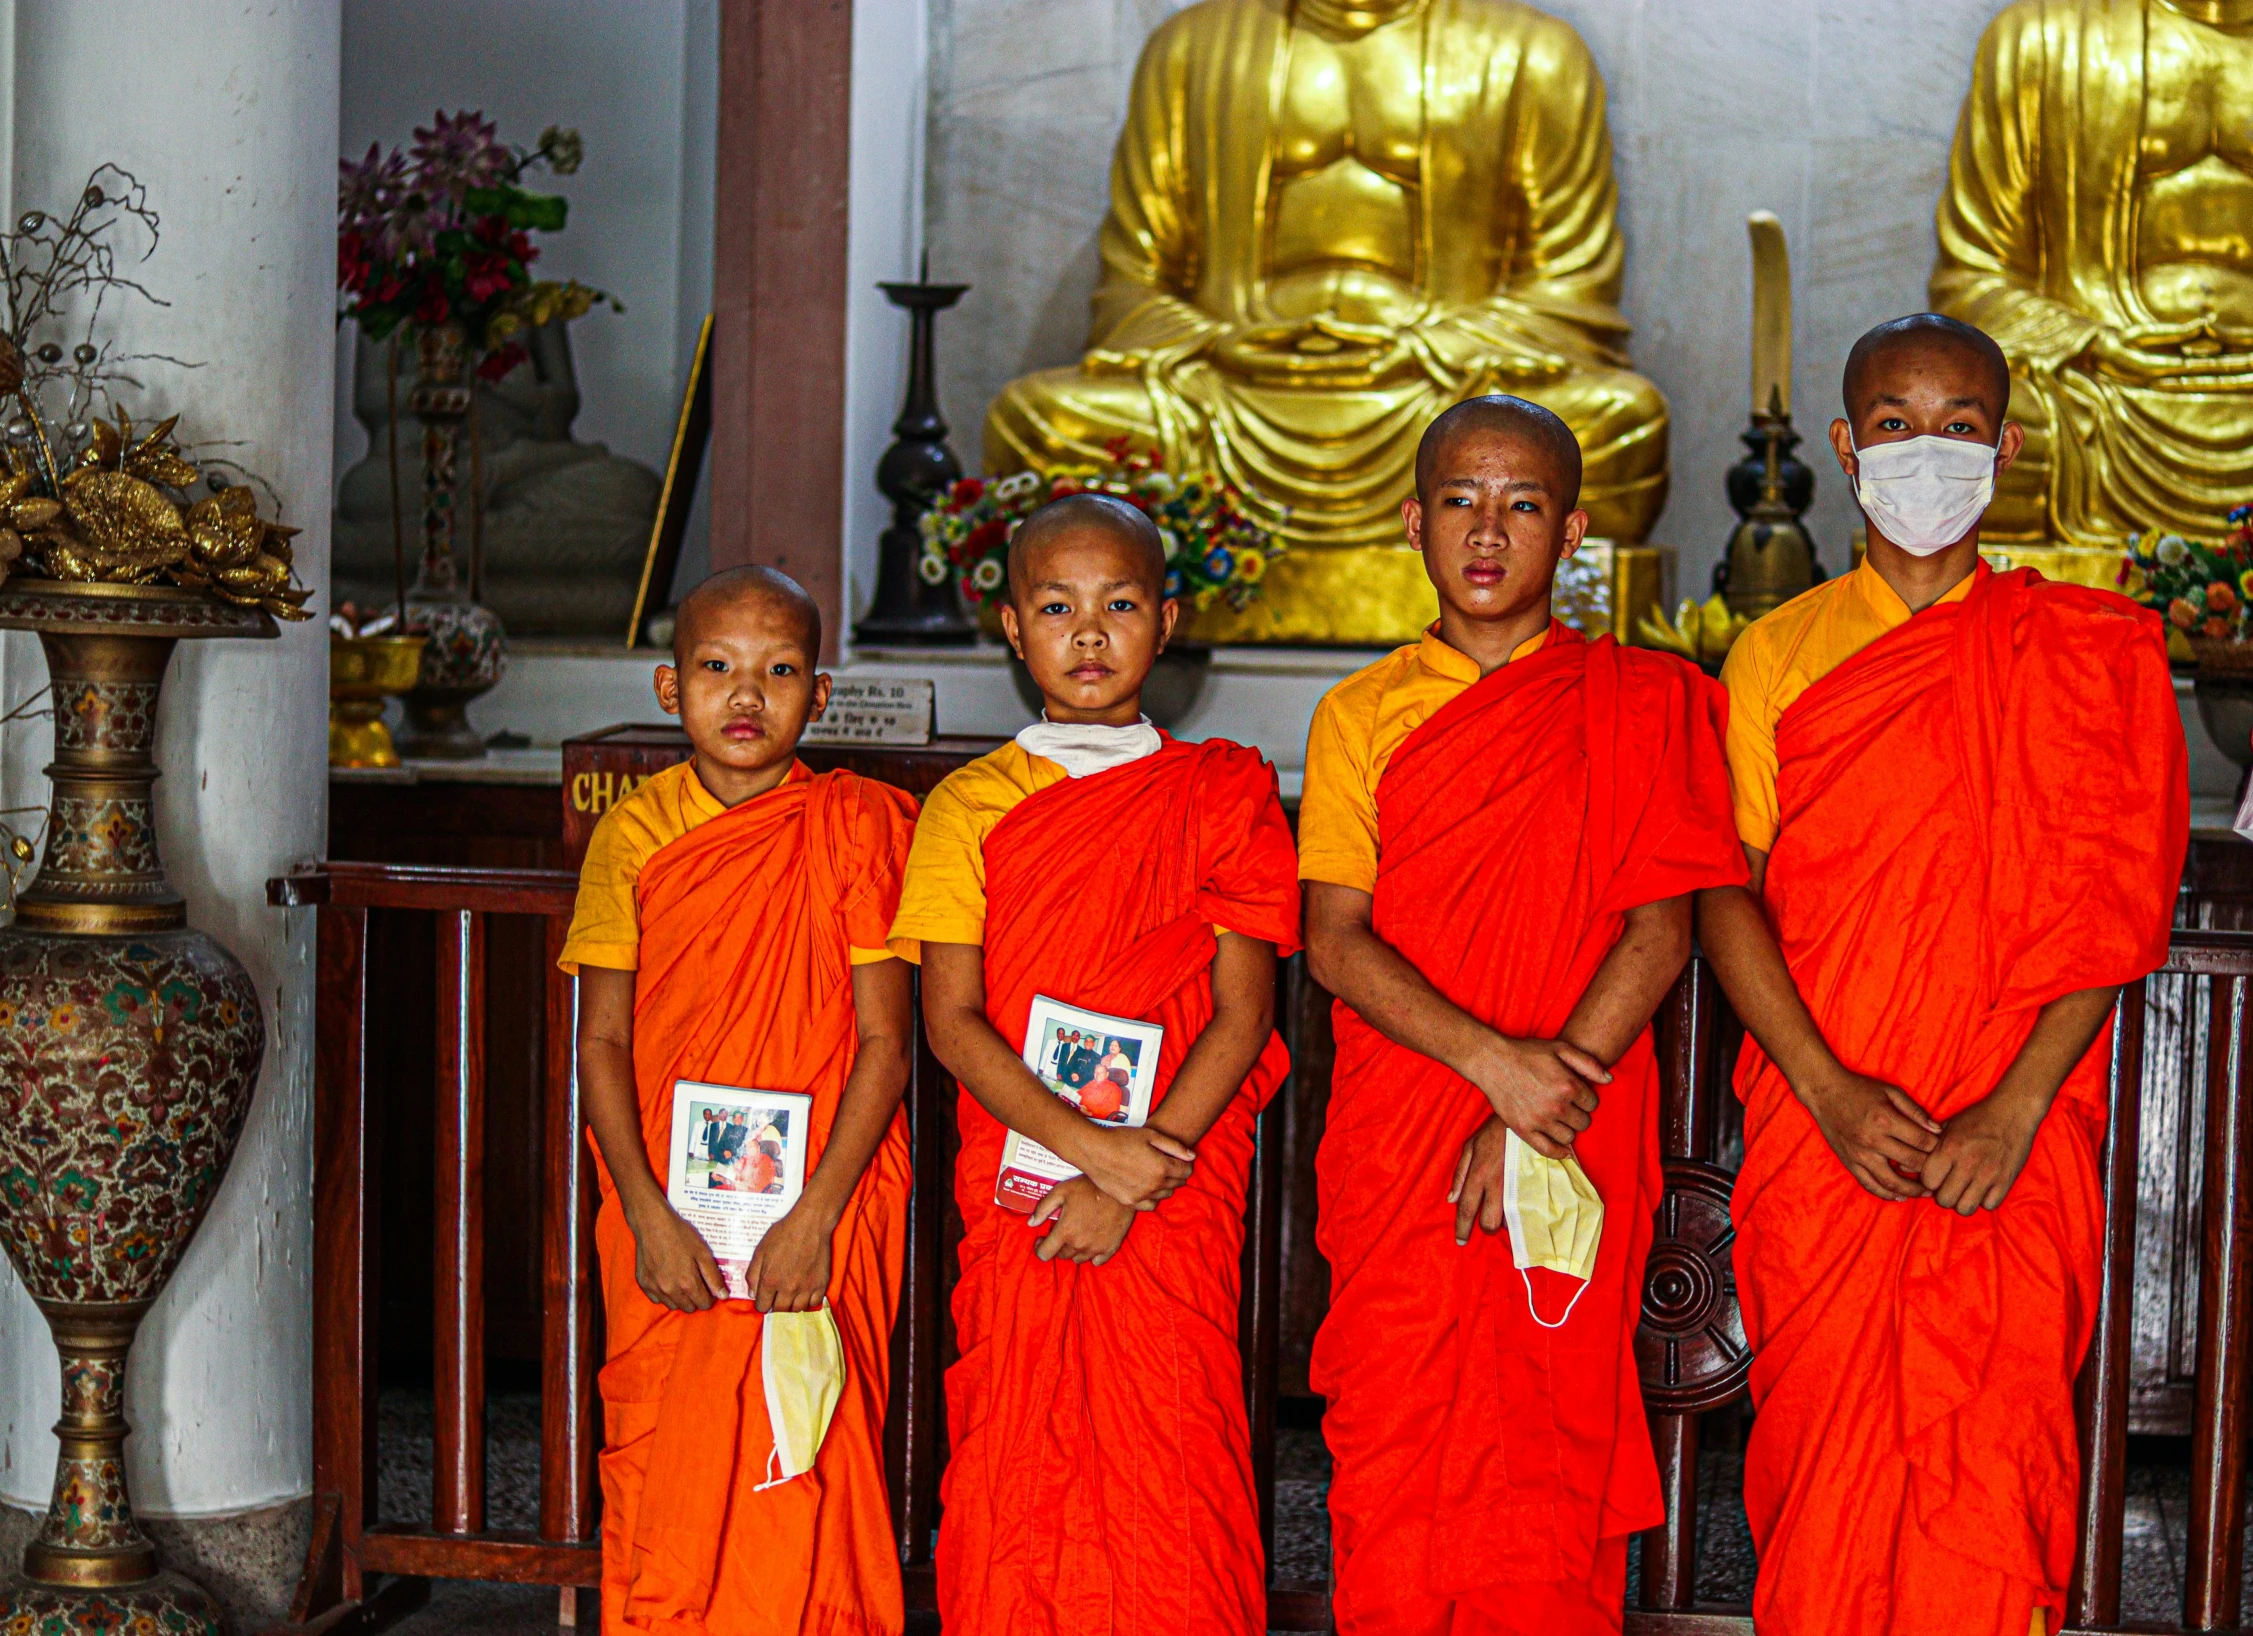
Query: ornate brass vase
x,y
129,1048
466,653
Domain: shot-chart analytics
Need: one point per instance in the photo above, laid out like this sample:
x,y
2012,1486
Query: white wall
x,y
1834,115
228,119
620,72
885,224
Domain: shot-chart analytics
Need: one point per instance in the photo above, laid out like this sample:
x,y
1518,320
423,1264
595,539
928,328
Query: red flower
x,y
433,308
486,276
351,260
986,536
966,490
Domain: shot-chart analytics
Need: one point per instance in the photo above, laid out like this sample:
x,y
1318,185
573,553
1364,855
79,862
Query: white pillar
x,y
227,112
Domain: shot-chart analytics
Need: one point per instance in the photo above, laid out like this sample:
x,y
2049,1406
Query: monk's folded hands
x,y
672,1263
1084,1223
1477,1190
1985,1145
1137,1167
1877,1130
1545,1090
789,1270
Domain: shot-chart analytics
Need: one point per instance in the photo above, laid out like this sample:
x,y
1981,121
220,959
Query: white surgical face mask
x,y
1555,1216
1925,493
1081,748
802,1360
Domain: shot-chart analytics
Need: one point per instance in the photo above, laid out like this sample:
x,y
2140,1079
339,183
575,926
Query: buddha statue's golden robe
x,y
2099,224
1330,219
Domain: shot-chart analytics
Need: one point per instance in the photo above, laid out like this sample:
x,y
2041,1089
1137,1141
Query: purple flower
x,y
368,190
457,152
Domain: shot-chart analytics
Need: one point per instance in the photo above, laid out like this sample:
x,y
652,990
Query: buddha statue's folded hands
x,y
1326,227
2098,222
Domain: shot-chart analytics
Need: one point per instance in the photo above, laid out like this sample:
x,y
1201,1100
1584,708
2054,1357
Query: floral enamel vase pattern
x,y
129,1051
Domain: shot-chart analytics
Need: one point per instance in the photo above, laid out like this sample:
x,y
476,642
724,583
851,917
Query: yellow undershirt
x,y
606,920
1357,727
1783,654
943,898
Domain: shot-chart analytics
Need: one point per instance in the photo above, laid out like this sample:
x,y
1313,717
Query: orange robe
x,y
1489,1470
744,980
1981,811
1101,1477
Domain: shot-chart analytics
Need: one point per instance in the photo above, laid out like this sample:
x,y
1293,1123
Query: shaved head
x,y
1105,513
1499,415
1921,336
734,588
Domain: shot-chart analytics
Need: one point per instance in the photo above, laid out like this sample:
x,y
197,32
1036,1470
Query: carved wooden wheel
x,y
1690,1347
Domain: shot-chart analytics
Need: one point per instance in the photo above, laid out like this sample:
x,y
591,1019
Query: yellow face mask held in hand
x,y
1555,1219
803,1362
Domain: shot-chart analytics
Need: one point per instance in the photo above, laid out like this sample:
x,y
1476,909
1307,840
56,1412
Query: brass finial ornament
x,y
1770,558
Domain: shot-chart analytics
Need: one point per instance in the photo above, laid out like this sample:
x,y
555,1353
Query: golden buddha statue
x,y
2099,224
1330,220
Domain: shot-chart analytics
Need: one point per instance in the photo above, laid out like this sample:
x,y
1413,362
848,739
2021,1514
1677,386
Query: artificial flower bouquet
x,y
443,235
2205,591
1213,550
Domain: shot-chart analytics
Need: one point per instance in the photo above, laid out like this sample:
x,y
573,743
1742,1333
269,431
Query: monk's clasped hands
x,y
1545,1090
789,1270
1983,1149
1135,1166
1877,1130
672,1263
1084,1223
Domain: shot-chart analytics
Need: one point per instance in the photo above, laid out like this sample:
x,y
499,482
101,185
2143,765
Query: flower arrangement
x,y
2205,591
442,234
1213,550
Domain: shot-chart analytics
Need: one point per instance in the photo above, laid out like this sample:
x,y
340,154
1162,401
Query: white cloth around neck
x,y
1081,748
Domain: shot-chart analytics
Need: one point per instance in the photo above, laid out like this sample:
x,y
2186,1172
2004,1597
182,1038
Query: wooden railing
x,y
1690,1348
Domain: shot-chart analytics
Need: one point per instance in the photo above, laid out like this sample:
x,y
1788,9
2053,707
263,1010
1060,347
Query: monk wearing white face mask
x,y
1964,805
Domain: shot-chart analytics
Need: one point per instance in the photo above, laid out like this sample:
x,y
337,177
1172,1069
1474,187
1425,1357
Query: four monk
x,y
1500,833
1947,827
730,931
1963,797
1100,1476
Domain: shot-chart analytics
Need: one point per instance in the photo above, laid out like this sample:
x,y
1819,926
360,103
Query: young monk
x,y
1963,797
1501,828
1101,1478
730,930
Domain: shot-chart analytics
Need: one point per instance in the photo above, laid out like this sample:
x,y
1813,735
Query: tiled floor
x,y
2152,1568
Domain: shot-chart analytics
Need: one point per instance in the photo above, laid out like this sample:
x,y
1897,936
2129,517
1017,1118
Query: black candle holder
x,y
915,472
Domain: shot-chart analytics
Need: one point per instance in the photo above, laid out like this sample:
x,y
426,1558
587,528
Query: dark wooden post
x,y
2093,1598
345,1238
457,1498
914,1436
568,1439
2225,1281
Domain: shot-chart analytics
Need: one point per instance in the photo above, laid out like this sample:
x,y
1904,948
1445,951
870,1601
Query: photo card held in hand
x,y
1106,1067
737,1164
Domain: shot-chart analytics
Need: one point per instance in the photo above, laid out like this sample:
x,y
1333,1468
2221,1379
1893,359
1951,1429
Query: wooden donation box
x,y
601,769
